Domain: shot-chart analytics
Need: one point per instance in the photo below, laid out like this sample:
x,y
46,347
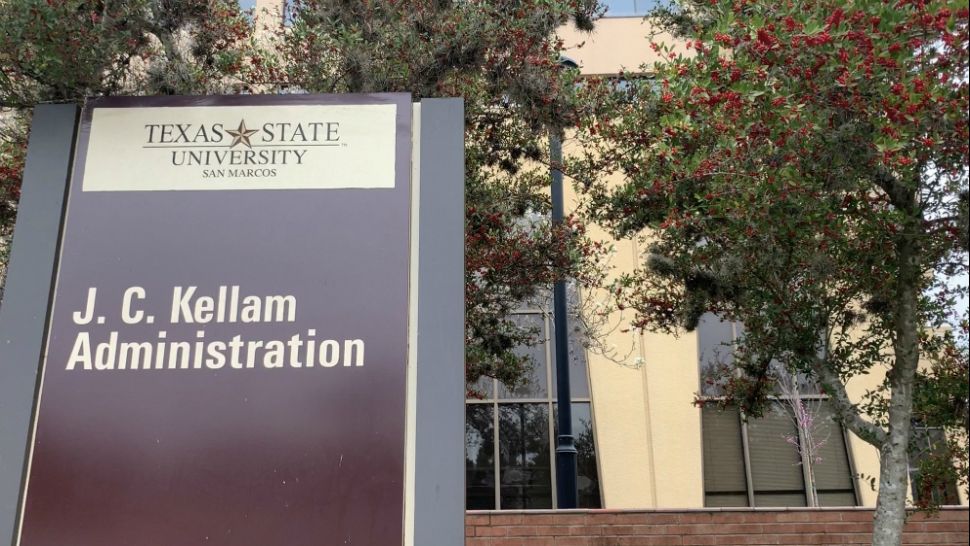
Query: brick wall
x,y
703,527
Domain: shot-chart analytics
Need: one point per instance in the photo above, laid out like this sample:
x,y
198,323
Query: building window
x,y
510,449
928,445
773,460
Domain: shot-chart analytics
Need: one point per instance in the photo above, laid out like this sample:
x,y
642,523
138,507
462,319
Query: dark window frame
x,y
806,464
930,438
496,399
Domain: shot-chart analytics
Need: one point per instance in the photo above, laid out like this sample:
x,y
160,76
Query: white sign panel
x,y
241,148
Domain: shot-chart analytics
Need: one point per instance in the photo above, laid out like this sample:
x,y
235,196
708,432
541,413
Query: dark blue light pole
x,y
567,492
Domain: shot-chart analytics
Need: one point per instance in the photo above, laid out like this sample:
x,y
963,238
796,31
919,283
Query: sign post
x,y
227,346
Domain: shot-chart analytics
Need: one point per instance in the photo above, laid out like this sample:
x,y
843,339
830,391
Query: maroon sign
x,y
227,348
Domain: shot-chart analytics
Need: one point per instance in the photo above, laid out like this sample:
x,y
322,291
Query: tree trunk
x,y
893,479
894,453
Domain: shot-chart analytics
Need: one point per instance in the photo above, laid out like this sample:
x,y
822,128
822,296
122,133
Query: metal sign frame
x,y
434,511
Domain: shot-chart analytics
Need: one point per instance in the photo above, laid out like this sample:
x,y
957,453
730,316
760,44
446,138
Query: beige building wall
x,y
618,44
273,7
865,456
268,15
648,432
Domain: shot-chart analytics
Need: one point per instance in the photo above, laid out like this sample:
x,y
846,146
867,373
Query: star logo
x,y
241,135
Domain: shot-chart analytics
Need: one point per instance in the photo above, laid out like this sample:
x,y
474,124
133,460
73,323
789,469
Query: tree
x,y
66,50
501,56
803,172
12,150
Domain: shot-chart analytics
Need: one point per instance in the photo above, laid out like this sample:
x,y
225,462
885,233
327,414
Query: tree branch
x,y
844,408
899,195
